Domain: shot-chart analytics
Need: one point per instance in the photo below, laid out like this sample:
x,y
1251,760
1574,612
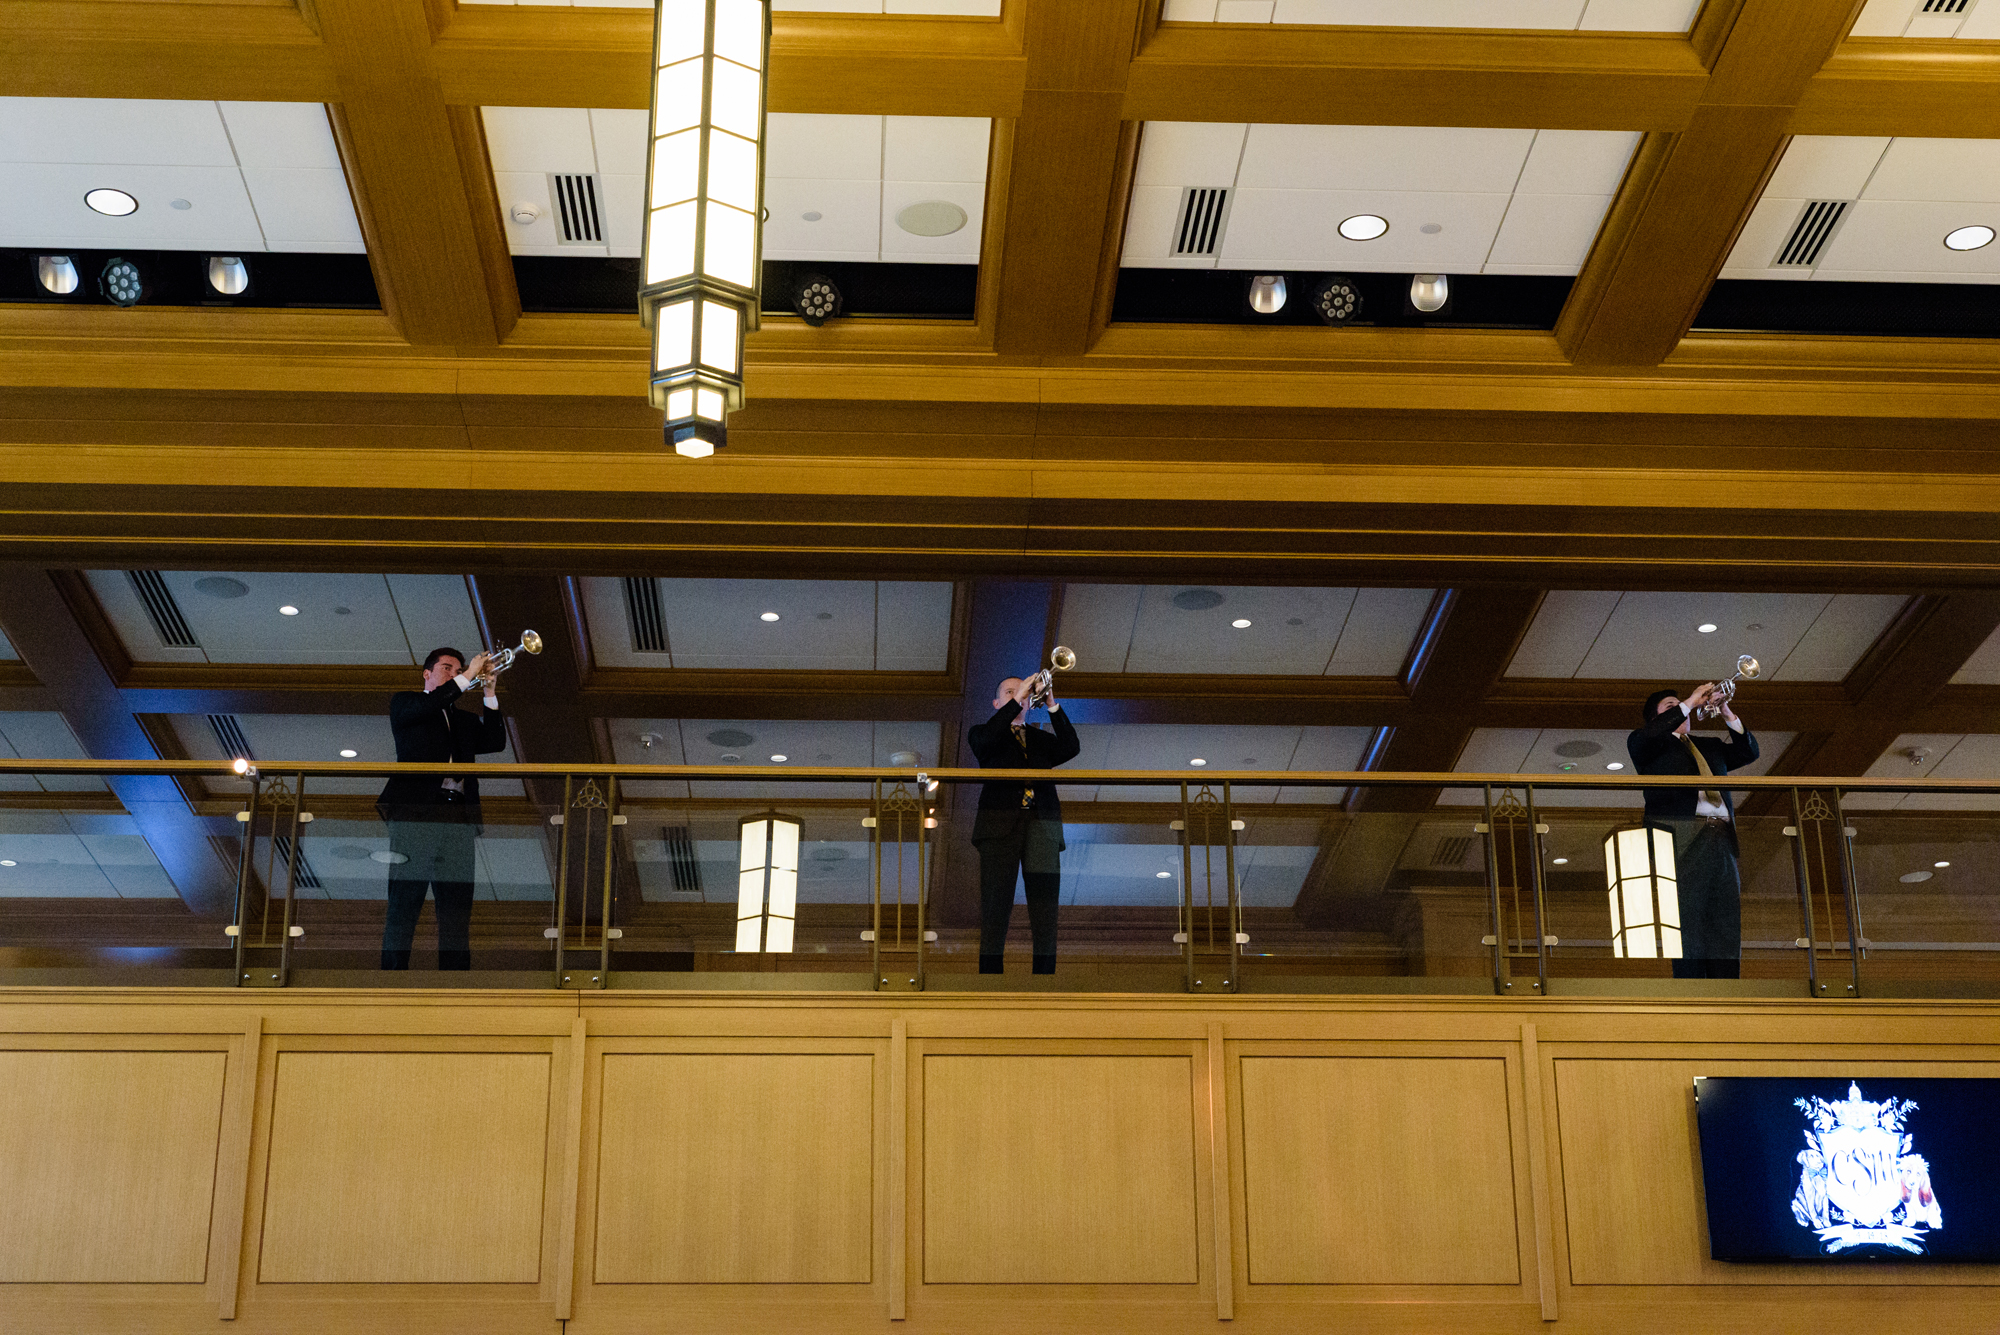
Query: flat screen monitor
x,y
1867,1168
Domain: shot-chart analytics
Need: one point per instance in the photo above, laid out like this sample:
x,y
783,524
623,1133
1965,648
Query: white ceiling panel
x,y
1597,15
834,625
1646,636
1298,229
624,210
1178,153
1911,193
269,180
278,739
77,855
1170,747
1905,18
959,247
1543,232
935,148
848,225
1964,756
359,619
43,735
541,139
1576,162
1293,631
821,147
619,136
510,862
1382,157
1983,668
1151,221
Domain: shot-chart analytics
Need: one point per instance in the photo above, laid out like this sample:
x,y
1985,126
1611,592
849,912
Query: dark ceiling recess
x,y
180,278
1221,296
551,283
1937,310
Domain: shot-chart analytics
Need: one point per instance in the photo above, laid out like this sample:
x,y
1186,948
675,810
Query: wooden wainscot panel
x,y
406,1167
1378,1170
107,1167
736,1168
1059,1170
1631,1186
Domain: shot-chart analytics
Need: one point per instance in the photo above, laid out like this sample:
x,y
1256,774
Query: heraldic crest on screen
x,y
1860,1179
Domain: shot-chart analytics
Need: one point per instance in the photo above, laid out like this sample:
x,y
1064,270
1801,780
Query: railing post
x,y
612,820
1500,982
1187,887
1857,940
249,819
299,817
874,822
1233,912
1803,869
1535,832
923,881
561,820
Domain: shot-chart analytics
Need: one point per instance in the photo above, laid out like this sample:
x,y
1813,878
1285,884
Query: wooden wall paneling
x,y
1215,1098
768,1177
232,1170
1540,1223
425,1167
109,1164
1045,1169
568,1219
896,1231
1341,1157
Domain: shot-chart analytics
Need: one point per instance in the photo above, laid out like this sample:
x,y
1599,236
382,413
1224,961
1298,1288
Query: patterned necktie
x,y
1021,740
1711,796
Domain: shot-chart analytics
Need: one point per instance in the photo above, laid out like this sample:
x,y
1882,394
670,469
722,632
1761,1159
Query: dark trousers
x,y
1032,851
435,856
1711,893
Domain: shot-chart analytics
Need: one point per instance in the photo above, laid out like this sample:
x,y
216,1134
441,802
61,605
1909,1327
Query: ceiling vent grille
x,y
576,209
681,858
308,879
1816,225
160,606
229,736
642,610
1451,851
1203,211
1945,6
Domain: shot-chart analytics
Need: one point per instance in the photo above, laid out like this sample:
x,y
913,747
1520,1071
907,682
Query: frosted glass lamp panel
x,y
732,170
676,168
748,934
785,846
1639,937
673,337
682,31
784,894
739,32
1617,924
729,244
1670,939
670,243
735,100
680,403
778,935
677,99
708,405
720,339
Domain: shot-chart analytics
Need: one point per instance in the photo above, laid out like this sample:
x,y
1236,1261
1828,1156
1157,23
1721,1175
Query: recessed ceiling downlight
x,y
111,203
1363,227
1968,238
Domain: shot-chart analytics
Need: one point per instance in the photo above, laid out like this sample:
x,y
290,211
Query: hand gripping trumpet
x,y
1061,659
499,660
1746,669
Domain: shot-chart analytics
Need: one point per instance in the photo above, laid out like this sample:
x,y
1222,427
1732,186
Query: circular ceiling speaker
x,y
1197,600
931,217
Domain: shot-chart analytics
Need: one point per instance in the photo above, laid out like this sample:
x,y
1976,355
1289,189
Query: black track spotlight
x,y
120,282
1267,293
815,298
1430,293
228,275
57,274
1336,299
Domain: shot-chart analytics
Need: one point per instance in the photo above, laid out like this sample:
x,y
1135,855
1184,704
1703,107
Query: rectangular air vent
x,y
1815,227
642,611
681,858
307,878
229,736
1203,209
160,606
1944,6
1450,852
576,210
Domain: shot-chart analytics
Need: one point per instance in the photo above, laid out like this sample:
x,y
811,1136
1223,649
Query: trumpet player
x,y
1703,821
433,819
1018,830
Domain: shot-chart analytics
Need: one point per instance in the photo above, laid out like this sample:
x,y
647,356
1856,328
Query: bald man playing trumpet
x,y
1018,830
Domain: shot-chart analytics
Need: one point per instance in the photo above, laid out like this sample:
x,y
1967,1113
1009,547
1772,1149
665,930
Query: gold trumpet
x,y
1747,669
1061,659
499,660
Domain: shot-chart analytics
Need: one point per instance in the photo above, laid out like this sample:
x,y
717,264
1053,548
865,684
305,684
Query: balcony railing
x,y
631,876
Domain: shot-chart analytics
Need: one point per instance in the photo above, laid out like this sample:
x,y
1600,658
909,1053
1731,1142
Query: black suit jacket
x,y
1655,750
429,730
994,746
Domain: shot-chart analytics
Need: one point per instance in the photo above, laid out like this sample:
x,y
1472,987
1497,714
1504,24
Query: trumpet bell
x,y
1063,658
532,643
1748,667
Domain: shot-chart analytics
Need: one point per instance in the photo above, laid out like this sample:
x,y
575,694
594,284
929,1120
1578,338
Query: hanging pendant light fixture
x,y
767,883
703,247
1645,893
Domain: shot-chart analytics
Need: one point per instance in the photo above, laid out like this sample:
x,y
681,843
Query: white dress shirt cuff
x,y
1735,724
464,682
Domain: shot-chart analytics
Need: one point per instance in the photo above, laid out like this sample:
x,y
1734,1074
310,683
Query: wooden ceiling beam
x,y
1944,90
1686,194
137,48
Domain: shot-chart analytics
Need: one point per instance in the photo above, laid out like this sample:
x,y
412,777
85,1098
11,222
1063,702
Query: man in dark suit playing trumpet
x,y
433,819
1018,830
1703,821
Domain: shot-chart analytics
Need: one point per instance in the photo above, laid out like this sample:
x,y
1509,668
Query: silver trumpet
x,y
1061,659
499,660
1747,669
